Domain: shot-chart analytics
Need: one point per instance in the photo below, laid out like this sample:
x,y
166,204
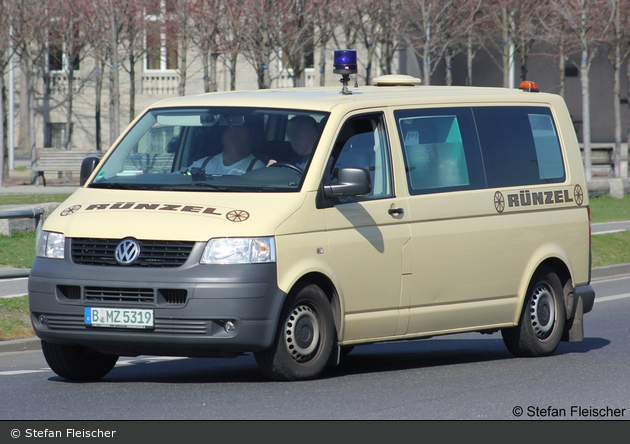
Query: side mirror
x,y
352,182
87,168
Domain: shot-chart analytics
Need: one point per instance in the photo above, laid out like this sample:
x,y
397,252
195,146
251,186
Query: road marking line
x,y
608,232
14,279
612,298
21,372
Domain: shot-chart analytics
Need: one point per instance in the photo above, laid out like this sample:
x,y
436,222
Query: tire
x,y
304,340
542,319
77,363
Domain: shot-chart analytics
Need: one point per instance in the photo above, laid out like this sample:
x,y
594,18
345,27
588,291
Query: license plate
x,y
118,317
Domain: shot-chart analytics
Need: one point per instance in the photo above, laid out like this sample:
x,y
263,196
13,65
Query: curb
x,y
18,345
610,271
15,273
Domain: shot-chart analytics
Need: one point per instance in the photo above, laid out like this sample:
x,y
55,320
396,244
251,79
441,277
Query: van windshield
x,y
210,149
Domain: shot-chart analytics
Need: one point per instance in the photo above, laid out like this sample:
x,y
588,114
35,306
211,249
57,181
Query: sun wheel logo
x,y
127,252
499,202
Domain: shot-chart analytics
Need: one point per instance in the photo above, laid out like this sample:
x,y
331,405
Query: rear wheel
x,y
77,363
542,319
304,340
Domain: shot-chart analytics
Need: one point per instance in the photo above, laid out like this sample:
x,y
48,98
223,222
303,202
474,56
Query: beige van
x,y
296,224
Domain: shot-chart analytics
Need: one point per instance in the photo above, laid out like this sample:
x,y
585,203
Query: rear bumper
x,y
587,294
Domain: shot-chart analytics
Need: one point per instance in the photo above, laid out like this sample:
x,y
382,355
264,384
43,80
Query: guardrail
x,y
30,213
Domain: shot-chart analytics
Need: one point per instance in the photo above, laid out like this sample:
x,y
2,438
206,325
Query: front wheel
x,y
77,363
540,328
304,340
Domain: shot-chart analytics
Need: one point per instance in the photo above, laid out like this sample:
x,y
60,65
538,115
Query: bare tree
x,y
6,52
558,43
380,26
430,34
231,30
326,18
205,25
133,41
260,38
499,34
29,30
618,45
297,41
66,34
588,21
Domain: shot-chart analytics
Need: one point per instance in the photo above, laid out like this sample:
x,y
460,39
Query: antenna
x,y
345,64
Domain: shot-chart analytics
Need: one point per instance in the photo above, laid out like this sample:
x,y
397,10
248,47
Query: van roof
x,y
327,98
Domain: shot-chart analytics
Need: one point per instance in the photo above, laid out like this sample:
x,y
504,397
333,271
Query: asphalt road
x,y
467,376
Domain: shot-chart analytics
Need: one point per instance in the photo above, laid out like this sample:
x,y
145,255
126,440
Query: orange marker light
x,y
527,85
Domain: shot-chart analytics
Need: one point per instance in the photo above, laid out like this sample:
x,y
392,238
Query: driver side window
x,y
363,143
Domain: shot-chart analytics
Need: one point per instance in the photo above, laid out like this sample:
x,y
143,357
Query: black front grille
x,y
152,253
119,295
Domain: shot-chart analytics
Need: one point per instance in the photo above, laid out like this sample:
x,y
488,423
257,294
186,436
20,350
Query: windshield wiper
x,y
195,186
118,186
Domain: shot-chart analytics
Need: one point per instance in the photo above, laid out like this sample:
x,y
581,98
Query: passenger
x,y
302,132
236,158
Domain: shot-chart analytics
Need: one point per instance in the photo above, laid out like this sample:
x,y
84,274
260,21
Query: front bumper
x,y
191,306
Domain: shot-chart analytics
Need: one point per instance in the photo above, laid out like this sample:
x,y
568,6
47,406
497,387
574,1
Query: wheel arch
x,y
327,286
560,267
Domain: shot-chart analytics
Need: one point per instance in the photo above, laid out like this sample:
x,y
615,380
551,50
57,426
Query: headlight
x,y
241,250
51,245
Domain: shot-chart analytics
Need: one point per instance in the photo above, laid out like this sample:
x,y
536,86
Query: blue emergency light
x,y
345,64
345,61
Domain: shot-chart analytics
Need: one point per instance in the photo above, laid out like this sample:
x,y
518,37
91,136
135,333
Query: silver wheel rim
x,y
542,310
301,334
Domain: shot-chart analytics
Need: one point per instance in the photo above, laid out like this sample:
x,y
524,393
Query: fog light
x,y
43,320
229,327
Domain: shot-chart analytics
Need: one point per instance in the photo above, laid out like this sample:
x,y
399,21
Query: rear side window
x,y
520,146
451,149
440,150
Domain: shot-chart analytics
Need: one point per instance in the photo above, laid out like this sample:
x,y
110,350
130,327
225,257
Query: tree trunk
x,y
114,92
213,71
132,86
448,58
322,62
506,52
586,114
97,105
182,70
233,58
469,60
617,110
2,134
562,66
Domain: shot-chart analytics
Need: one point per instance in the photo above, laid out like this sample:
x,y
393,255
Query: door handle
x,y
396,211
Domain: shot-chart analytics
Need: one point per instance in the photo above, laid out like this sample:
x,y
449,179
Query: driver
x,y
236,158
302,133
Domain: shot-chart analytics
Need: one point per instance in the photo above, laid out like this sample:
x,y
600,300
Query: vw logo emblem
x,y
127,252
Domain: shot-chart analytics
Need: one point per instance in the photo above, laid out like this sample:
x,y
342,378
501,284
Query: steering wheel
x,y
290,166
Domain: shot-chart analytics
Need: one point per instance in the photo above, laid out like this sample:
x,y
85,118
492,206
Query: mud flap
x,y
573,328
335,356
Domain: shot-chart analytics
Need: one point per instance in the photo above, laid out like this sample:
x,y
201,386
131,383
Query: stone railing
x,y
59,83
160,83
